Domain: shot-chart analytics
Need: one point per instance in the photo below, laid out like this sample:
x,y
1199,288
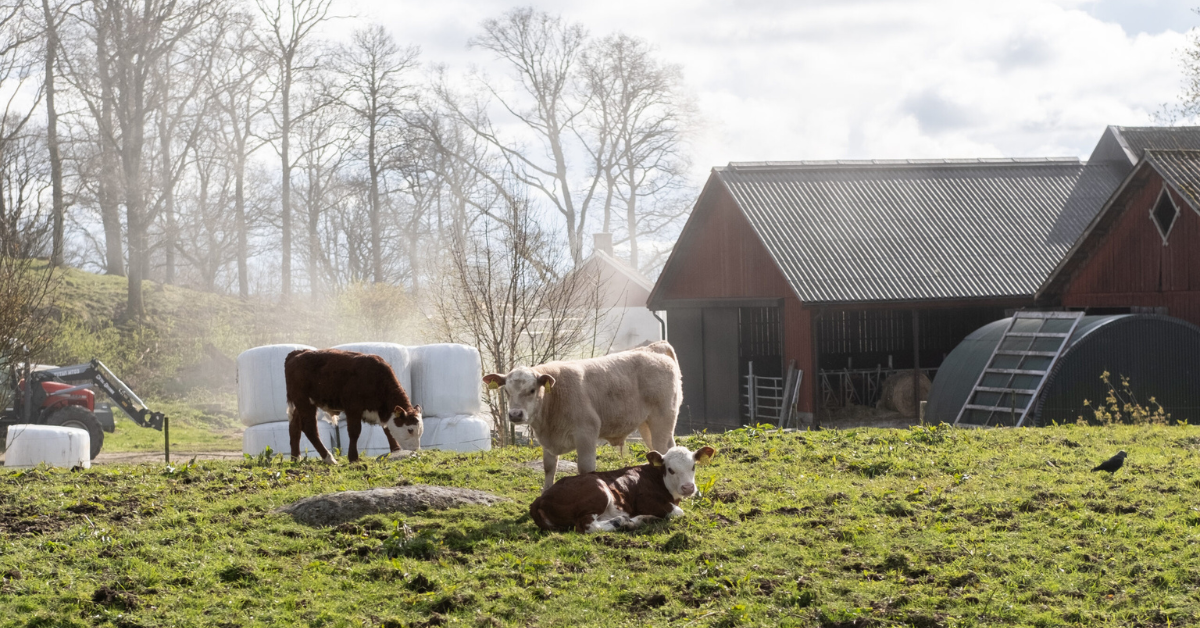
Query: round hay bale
x,y
262,391
447,380
897,393
276,435
334,509
31,445
461,433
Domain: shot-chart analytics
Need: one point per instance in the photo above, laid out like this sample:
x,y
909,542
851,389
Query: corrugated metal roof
x,y
1136,140
918,229
1180,168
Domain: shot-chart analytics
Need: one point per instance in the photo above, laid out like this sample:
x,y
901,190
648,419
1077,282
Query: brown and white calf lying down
x,y
623,499
359,384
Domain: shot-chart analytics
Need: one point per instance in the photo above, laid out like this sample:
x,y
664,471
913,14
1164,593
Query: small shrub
x,y
1122,406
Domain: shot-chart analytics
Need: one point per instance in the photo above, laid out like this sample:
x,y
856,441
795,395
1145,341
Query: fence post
x,y
753,392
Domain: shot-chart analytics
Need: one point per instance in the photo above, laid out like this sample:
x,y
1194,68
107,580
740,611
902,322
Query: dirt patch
x,y
564,466
24,521
853,416
336,508
113,598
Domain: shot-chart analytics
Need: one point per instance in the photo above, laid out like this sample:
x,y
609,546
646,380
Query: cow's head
x,y
406,426
679,468
526,389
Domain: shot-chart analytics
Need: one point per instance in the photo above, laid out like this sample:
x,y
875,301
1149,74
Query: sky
x,y
781,80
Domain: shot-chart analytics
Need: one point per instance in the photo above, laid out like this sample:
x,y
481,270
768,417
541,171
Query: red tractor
x,y
62,396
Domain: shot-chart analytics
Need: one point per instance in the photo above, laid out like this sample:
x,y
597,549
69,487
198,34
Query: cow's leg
x,y
294,431
550,466
644,430
586,448
353,430
626,523
662,431
306,417
393,446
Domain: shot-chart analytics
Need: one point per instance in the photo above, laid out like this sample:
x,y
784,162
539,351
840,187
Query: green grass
x,y
186,435
921,527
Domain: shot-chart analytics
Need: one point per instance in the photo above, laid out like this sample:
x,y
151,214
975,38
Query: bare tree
x,y
25,223
494,295
17,65
52,19
373,70
542,51
131,39
322,159
291,25
638,113
241,100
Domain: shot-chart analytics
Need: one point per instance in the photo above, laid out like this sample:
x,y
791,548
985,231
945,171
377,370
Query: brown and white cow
x,y
361,385
571,404
623,499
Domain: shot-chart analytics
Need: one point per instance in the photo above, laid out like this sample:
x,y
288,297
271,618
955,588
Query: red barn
x,y
1142,250
853,269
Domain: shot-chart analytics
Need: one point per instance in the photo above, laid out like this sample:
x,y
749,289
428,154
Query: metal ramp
x,y
1017,368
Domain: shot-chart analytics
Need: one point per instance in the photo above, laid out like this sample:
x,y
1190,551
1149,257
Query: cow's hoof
x,y
400,453
622,523
330,460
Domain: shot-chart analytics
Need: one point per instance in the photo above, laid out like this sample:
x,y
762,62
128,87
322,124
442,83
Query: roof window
x,y
1164,214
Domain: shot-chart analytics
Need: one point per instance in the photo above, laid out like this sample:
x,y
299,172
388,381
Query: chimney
x,y
602,242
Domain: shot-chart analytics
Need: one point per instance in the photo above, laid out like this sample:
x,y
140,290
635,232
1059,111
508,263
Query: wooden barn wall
x,y
719,256
1132,267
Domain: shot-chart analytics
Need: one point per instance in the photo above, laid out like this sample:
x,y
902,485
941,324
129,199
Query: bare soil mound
x,y
336,508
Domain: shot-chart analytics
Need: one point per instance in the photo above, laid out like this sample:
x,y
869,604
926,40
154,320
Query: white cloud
x,y
784,80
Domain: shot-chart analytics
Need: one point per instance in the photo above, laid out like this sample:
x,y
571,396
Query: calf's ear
x,y
654,458
547,381
493,380
704,455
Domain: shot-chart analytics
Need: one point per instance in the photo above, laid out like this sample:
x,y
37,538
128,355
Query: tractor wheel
x,y
76,416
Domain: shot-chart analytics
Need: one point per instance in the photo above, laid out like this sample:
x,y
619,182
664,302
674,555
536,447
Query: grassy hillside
x,y
183,353
921,527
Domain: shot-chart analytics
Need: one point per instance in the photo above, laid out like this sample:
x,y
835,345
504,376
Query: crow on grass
x,y
1112,464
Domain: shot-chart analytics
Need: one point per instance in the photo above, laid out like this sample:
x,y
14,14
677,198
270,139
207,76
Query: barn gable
x,y
1140,250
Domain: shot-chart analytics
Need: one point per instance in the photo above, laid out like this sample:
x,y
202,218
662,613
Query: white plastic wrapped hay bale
x,y
462,433
262,391
256,439
372,441
447,380
30,445
397,356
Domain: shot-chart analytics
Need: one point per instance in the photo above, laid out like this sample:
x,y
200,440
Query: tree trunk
x,y
110,207
631,225
376,237
56,255
239,202
164,134
285,270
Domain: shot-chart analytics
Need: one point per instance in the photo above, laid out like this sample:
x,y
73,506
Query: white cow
x,y
571,404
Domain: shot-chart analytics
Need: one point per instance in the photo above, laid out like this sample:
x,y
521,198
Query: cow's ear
x,y
654,458
493,380
417,412
704,455
547,381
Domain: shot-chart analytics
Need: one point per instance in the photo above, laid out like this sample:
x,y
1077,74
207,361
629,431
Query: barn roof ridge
x,y
825,163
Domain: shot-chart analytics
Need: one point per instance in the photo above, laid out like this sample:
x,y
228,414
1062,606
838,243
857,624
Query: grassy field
x,y
923,527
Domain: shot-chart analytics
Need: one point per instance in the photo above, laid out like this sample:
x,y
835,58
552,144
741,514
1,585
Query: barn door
x,y
760,353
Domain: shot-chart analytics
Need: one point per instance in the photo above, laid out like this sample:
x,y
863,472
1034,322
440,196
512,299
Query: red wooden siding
x,y
719,256
1132,267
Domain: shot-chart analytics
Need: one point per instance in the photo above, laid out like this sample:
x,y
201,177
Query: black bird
x,y
1112,464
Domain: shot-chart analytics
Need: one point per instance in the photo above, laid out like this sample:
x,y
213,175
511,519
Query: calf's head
x,y
679,468
526,389
406,426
